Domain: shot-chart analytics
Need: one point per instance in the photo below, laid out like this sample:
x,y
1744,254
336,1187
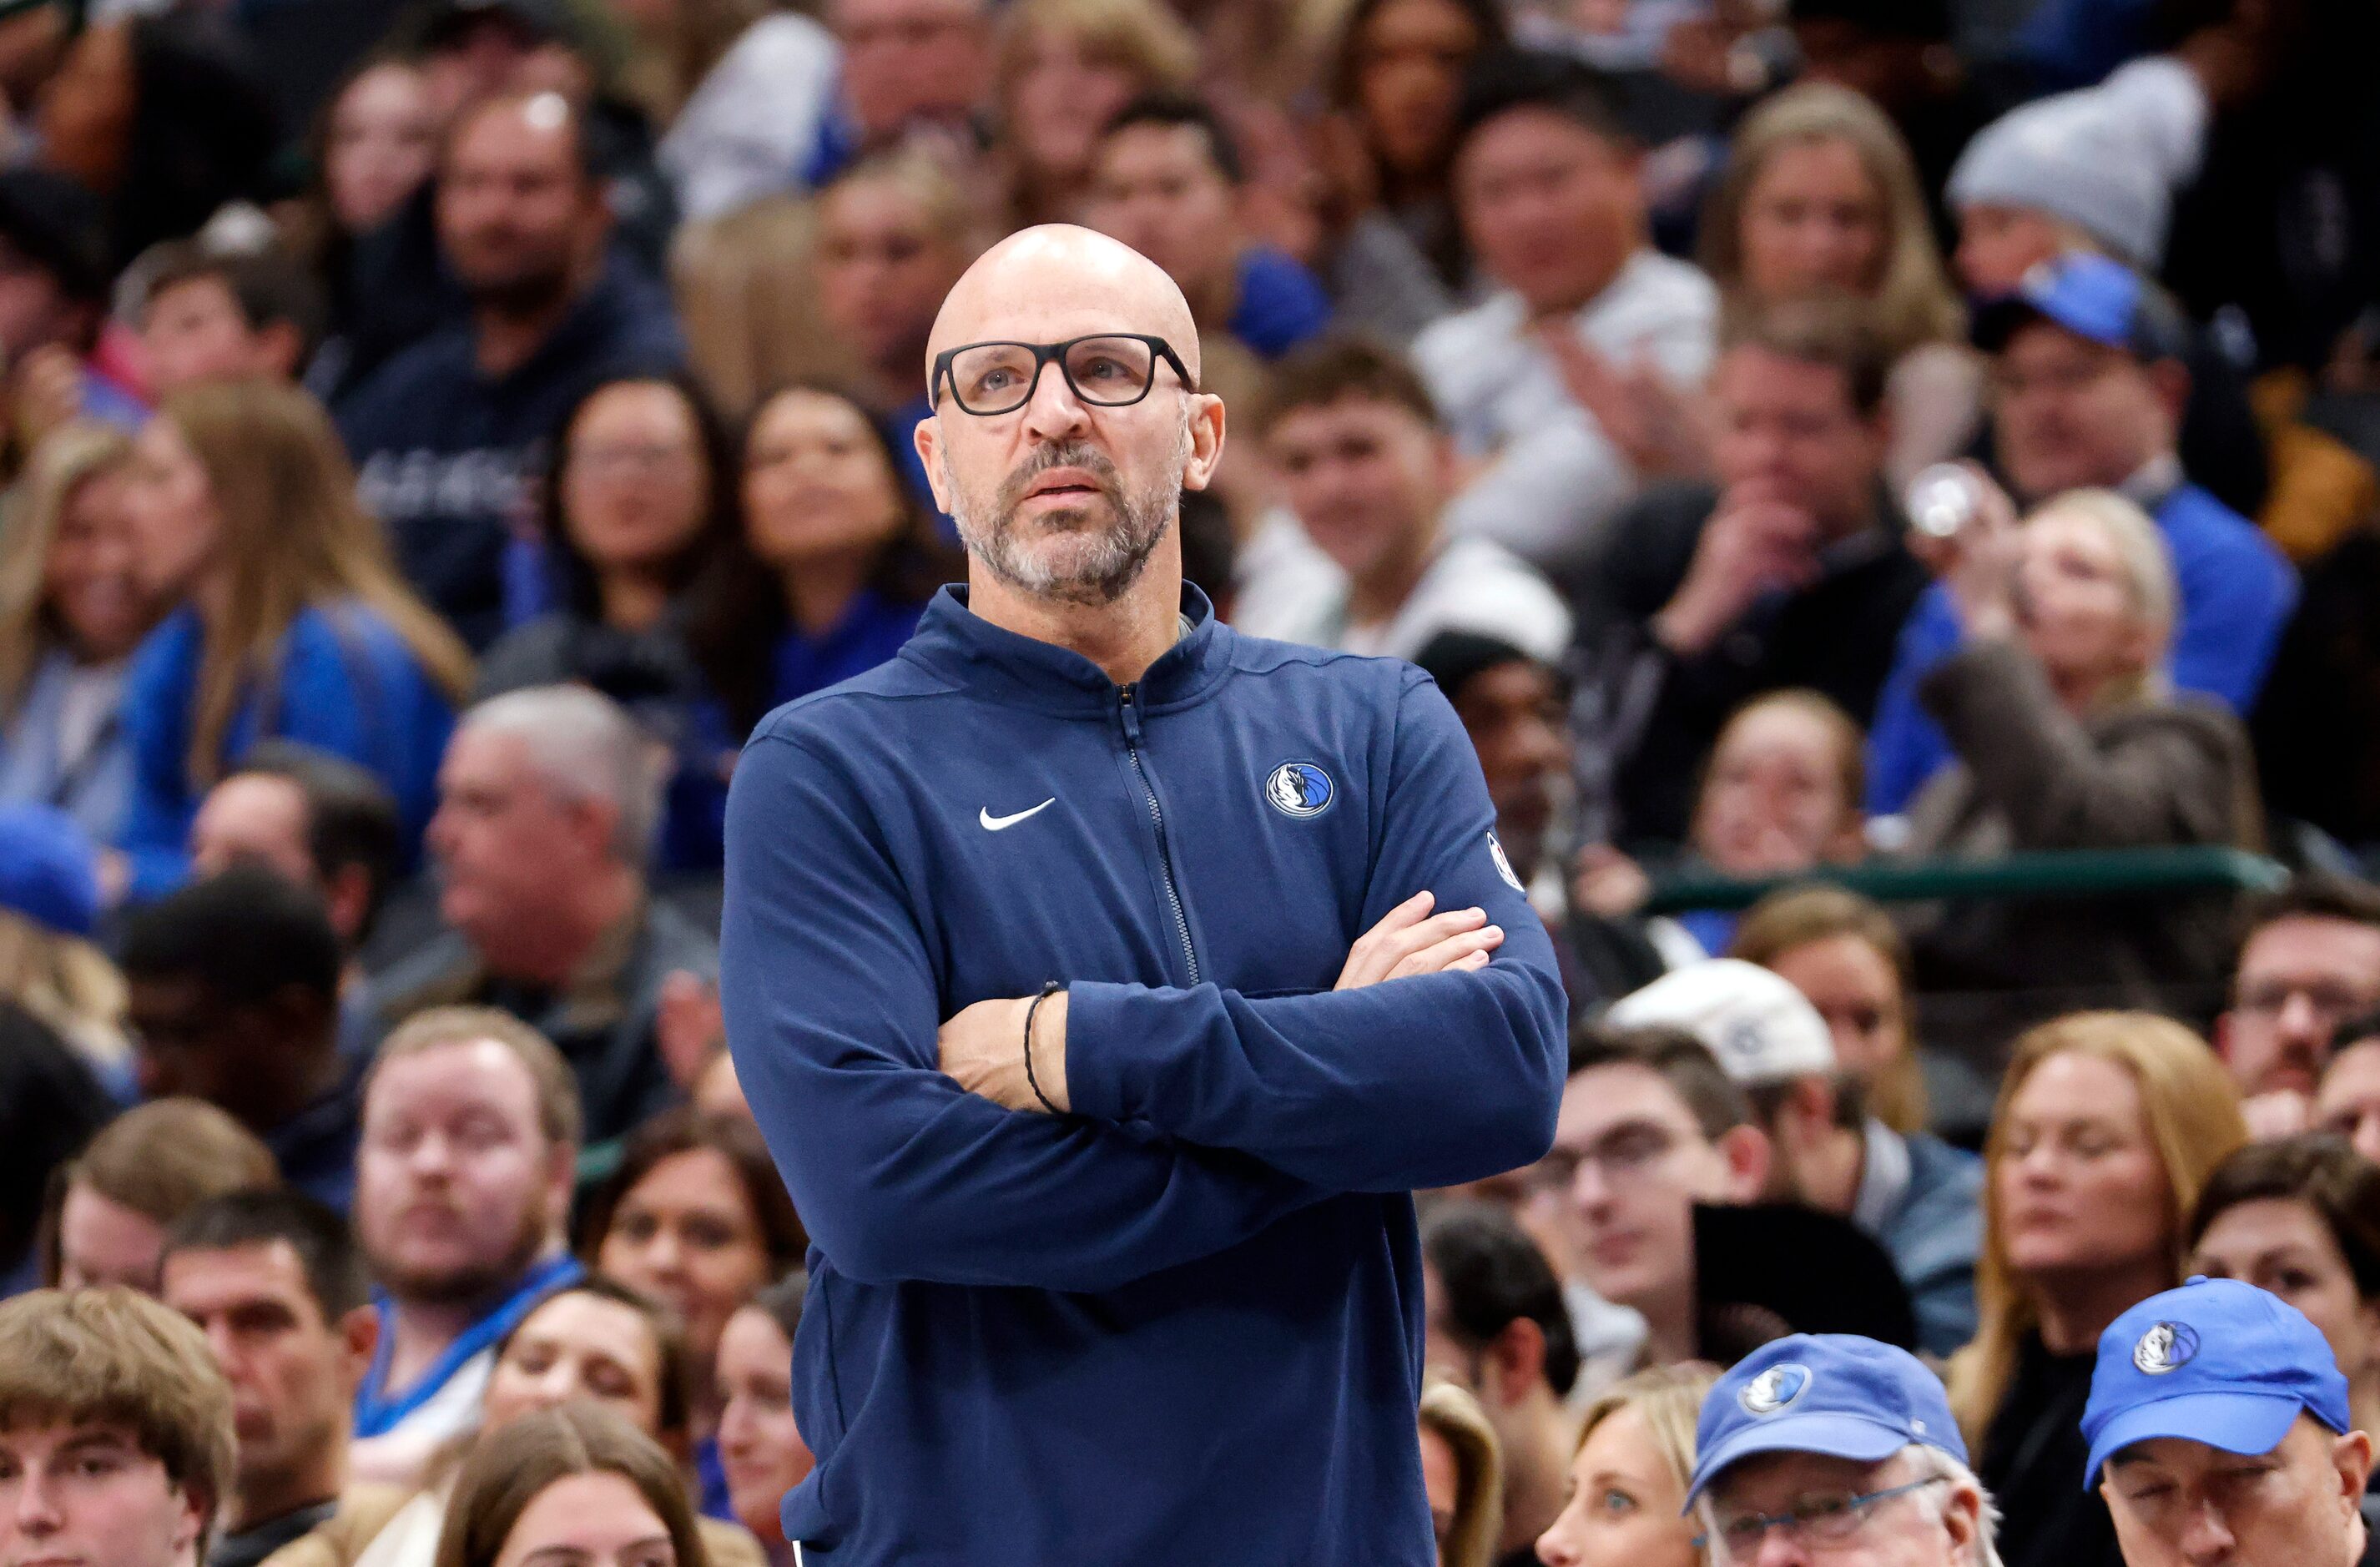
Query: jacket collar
x,y
1005,666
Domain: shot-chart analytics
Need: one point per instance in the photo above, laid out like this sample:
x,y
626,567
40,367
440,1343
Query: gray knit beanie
x,y
2073,158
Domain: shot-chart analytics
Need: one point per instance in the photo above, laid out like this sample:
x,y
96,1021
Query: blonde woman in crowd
x,y
293,621
73,606
1820,196
2108,1126
1463,1473
574,1484
1065,68
1628,1482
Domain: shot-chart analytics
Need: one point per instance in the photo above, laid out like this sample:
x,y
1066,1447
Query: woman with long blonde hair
x,y
1463,1469
1821,197
2108,1126
292,621
72,608
1064,69
1627,1505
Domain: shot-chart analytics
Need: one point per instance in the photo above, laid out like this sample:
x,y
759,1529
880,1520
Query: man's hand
x,y
1654,426
983,1051
1756,542
1978,565
1409,940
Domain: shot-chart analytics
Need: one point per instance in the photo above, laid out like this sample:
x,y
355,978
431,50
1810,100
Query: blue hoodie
x,y
1183,1324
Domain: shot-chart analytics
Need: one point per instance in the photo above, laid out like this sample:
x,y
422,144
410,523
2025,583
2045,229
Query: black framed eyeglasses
x,y
1109,370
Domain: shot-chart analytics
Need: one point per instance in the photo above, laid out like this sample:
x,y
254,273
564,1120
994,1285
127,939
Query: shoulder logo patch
x,y
1300,788
1504,864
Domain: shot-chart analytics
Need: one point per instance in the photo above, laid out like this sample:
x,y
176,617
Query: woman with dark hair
x,y
696,1216
639,520
1396,81
847,561
2299,1217
763,1451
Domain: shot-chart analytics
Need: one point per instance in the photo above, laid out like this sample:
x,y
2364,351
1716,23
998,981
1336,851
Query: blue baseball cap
x,y
1831,1393
49,872
2216,1361
2093,298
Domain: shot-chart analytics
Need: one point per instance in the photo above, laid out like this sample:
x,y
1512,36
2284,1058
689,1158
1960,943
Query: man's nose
x,y
1054,412
2206,1539
2301,1023
37,1511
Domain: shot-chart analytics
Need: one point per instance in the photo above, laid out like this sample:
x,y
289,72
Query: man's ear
x,y
2170,379
348,894
2221,1036
1964,1519
927,440
2351,1456
1748,1154
1206,414
359,1340
1515,1361
280,349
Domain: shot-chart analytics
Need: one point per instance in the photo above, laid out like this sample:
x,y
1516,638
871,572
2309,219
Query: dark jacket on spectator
x,y
1657,715
448,458
601,1020
2032,1463
2033,777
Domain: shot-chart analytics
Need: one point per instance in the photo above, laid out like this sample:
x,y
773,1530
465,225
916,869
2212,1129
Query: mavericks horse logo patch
x,y
1300,788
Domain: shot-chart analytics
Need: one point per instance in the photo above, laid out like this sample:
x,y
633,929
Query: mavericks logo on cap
x,y
1774,1390
2166,1346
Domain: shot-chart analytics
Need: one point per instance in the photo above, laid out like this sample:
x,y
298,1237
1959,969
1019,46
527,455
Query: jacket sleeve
x,y
1416,1082
2058,787
831,1010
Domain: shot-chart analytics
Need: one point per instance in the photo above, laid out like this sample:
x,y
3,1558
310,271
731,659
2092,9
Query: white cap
x,y
1761,1029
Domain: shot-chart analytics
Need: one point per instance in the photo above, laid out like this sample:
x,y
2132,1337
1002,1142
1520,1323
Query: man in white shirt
x,y
1569,380
1367,470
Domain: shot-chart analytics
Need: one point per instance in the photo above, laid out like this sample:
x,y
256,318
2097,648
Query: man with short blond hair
x,y
115,1432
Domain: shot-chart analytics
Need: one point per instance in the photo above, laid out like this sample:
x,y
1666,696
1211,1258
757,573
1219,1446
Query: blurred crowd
x,y
1804,439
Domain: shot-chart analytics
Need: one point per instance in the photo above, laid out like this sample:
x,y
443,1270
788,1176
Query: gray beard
x,y
1097,564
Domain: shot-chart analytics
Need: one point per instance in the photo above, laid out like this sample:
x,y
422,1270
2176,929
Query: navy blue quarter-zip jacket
x,y
1182,1325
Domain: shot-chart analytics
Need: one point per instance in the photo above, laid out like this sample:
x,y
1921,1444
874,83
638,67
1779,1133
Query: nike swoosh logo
x,y
1003,824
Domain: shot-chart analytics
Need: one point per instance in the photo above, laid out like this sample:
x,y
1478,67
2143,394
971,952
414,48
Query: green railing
x,y
2066,874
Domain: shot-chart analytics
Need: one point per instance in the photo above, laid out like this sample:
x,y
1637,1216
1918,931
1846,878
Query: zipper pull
x,y
1129,715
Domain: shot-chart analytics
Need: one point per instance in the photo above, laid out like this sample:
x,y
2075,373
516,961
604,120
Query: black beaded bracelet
x,y
1052,988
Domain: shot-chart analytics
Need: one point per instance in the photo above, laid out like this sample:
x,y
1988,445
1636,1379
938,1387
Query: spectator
x,y
1836,1442
894,234
1848,957
696,1216
740,87
50,1106
49,966
1368,470
2300,1218
2188,1384
1495,1323
469,1151
274,1280
2088,390
761,1454
2107,1127
111,1207
593,1343
117,1437
379,144
53,239
2067,740
1395,82
1790,574
1064,70
1915,1196
293,623
235,1000
639,522
1168,180
574,1482
550,800
1779,796
2091,171
1897,54
848,558
369,233
1820,197
1461,1469
449,433
911,69
1567,378
213,315
1626,1505
319,823
2311,960
1652,1125
73,605
2349,1100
